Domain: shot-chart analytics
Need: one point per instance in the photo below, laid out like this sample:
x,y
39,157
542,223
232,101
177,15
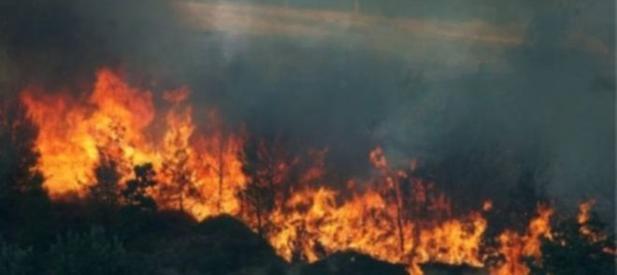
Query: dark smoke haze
x,y
482,117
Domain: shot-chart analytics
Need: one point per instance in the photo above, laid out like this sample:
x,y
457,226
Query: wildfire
x,y
393,216
515,246
315,222
583,218
198,173
585,229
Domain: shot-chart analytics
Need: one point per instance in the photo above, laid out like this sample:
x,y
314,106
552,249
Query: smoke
x,y
48,43
548,119
486,95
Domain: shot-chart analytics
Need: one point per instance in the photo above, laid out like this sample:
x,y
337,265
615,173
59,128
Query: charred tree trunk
x,y
272,200
258,213
399,214
221,172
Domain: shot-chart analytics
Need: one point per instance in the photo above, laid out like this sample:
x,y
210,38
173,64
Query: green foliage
x,y
14,260
90,253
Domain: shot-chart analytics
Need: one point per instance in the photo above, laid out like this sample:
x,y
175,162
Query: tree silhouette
x,y
105,190
24,206
18,157
135,193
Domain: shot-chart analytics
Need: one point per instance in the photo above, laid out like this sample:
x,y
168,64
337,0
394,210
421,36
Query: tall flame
x,y
515,247
118,119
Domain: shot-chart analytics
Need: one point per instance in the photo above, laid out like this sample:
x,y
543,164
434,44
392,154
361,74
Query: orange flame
x,y
583,217
318,221
515,247
118,120
393,216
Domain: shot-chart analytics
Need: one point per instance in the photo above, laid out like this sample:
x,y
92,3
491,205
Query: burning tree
x,y
393,186
266,165
220,169
181,181
219,154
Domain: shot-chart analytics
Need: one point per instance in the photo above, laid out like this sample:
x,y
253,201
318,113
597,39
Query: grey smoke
x,y
478,115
